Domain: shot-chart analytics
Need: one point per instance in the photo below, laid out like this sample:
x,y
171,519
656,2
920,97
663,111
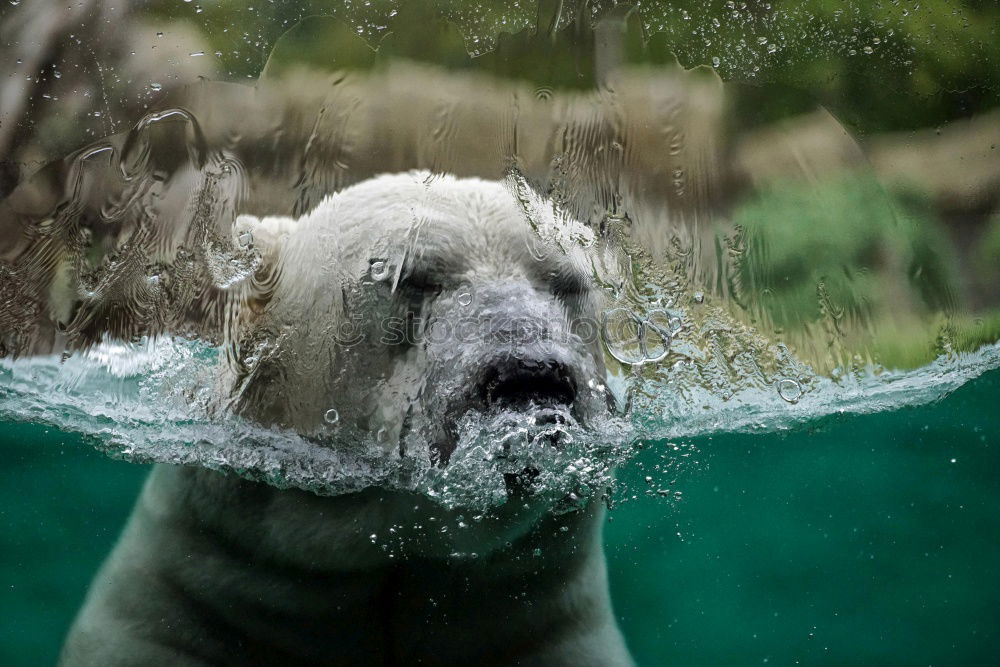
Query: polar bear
x,y
401,303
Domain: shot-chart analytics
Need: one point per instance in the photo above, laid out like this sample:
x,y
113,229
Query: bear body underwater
x,y
454,314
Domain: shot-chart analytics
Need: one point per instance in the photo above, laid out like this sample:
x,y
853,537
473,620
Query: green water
x,y
859,540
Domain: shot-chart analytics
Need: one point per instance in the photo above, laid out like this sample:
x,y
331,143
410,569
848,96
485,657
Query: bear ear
x,y
265,235
266,238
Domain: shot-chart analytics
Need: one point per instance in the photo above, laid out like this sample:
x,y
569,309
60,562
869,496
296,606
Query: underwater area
x,y
727,270
857,540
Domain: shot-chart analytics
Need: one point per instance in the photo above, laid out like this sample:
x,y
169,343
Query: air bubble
x,y
379,269
622,336
789,390
656,335
633,340
156,86
465,298
331,416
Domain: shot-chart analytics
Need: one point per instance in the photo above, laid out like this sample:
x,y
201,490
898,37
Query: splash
x,y
149,403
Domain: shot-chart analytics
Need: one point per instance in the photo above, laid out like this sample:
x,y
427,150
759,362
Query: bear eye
x,y
426,274
412,280
567,283
420,281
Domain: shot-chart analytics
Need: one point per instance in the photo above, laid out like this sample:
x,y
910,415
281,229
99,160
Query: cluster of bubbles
x,y
635,340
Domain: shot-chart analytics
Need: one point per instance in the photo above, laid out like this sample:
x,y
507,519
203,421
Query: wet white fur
x,y
212,569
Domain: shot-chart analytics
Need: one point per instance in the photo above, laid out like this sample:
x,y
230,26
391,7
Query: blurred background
x,y
844,161
828,170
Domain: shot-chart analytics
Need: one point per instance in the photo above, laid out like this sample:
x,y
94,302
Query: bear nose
x,y
518,383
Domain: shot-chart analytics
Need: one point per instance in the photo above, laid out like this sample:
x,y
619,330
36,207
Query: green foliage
x,y
844,235
882,65
988,253
876,263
